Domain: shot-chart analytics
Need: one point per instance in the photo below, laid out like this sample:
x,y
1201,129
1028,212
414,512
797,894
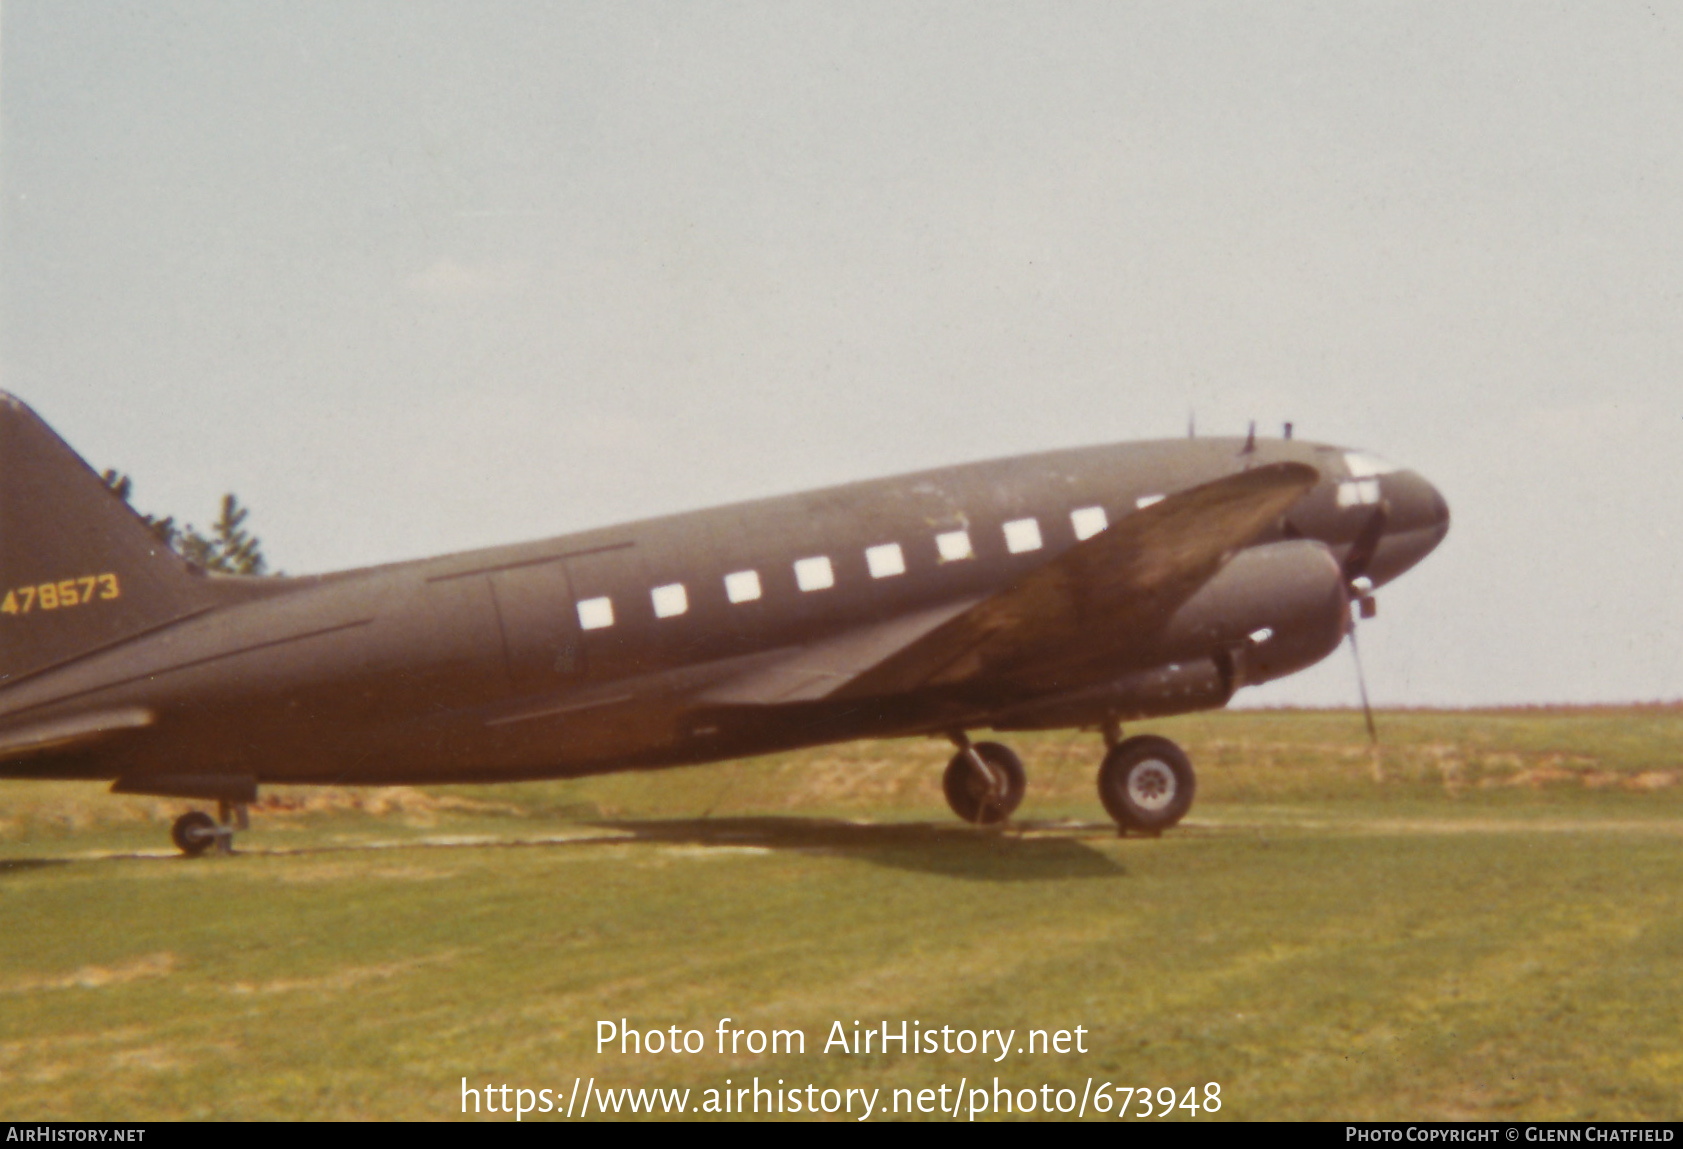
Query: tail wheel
x,y
988,795
194,832
1146,784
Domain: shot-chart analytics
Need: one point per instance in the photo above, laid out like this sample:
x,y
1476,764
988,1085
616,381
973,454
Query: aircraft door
x,y
539,626
614,612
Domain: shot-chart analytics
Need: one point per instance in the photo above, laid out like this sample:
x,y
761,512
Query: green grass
x,y
1486,924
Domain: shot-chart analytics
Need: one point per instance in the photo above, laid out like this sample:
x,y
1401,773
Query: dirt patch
x,y
386,800
1534,779
1670,827
1591,779
344,871
339,980
98,976
156,1058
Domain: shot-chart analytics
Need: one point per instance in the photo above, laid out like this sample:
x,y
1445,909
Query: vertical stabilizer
x,y
79,570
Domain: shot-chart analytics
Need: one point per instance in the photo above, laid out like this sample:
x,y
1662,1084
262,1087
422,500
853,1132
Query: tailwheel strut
x,y
196,831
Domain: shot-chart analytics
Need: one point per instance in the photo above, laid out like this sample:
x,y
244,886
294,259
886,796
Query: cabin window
x,y
1364,466
954,546
596,613
669,600
1145,501
1022,535
885,561
1362,492
1088,521
814,573
742,586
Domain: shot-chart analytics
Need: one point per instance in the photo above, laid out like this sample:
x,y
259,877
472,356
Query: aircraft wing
x,y
818,670
1118,586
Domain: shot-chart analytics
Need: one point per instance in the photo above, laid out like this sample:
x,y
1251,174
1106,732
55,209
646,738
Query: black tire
x,y
977,801
1147,784
193,833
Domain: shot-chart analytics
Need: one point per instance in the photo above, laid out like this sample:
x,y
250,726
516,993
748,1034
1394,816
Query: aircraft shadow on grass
x,y
926,847
10,866
1024,853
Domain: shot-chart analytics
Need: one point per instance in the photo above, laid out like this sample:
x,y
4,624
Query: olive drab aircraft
x,y
1076,588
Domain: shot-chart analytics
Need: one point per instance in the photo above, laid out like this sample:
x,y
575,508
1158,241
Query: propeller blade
x,y
1361,684
1366,544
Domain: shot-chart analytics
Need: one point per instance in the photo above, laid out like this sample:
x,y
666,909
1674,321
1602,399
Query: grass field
x,y
1487,923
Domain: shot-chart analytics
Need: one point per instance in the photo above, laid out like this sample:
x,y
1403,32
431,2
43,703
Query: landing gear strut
x,y
984,782
1146,784
195,831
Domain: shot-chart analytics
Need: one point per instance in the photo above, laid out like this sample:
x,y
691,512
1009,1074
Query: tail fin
x,y
79,570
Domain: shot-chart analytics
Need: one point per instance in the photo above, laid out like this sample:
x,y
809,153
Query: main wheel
x,y
988,800
193,832
1146,783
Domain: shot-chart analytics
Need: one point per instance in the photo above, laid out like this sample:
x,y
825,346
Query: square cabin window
x,y
596,613
1088,521
885,561
742,586
1359,493
669,600
814,573
953,546
1022,535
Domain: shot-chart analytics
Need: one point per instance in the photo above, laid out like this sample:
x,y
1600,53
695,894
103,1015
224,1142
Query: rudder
x,y
79,570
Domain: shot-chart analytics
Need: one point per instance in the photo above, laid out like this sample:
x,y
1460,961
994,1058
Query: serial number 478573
x,y
59,595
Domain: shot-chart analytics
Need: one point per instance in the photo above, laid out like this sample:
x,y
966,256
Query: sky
x,y
416,277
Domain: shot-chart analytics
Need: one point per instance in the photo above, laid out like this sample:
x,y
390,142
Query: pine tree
x,y
168,533
228,549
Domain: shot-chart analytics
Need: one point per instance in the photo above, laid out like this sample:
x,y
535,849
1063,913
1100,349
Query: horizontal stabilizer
x,y
62,733
1113,590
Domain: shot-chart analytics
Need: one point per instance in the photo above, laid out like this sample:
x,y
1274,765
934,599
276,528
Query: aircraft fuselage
x,y
626,646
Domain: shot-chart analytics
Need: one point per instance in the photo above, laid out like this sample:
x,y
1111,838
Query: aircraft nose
x,y
1417,523
1415,503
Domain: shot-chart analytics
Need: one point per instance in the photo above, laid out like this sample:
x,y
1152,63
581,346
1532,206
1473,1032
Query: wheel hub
x,y
1151,785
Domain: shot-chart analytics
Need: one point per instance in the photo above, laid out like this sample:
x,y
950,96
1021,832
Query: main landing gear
x,y
984,782
196,831
1146,783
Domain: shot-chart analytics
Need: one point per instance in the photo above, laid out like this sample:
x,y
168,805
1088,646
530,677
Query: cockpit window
x,y
1364,466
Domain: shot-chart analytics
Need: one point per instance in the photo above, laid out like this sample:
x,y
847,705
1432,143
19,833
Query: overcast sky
x,y
419,277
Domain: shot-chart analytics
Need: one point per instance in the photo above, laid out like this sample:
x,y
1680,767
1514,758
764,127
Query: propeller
x,y
1364,548
1361,685
1360,590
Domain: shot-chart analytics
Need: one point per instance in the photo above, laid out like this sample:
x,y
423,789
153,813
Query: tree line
x,y
227,547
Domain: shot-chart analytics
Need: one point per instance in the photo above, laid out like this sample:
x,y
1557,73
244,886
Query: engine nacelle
x,y
1273,610
1178,688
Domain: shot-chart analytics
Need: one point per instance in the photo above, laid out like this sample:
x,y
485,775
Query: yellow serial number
x,y
60,595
